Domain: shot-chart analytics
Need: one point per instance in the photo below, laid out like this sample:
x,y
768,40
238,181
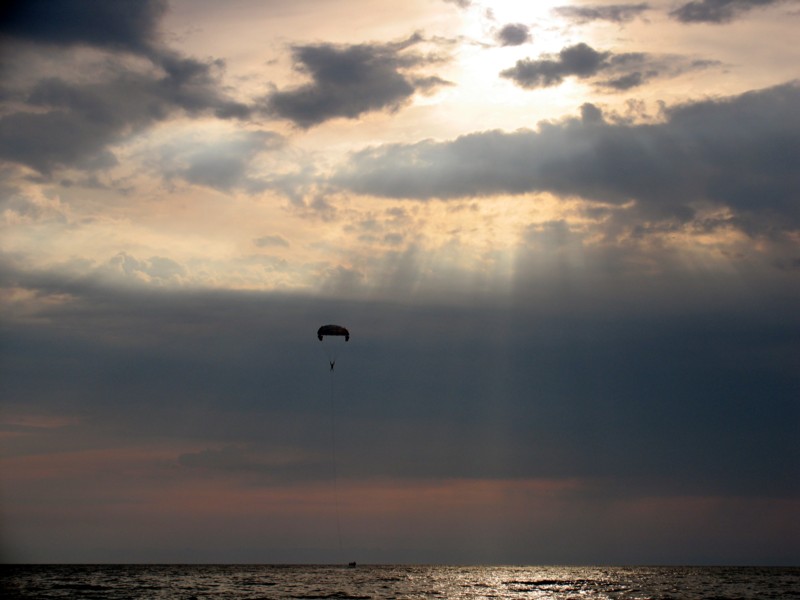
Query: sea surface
x,y
187,582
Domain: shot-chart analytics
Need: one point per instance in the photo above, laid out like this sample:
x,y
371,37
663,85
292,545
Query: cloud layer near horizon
x,y
230,388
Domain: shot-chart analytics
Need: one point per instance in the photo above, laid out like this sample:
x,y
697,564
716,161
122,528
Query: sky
x,y
564,237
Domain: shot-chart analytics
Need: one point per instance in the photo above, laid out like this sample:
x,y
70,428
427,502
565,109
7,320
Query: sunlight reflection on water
x,y
257,582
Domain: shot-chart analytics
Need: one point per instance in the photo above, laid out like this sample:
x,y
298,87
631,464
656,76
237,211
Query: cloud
x,y
258,463
239,373
622,71
216,402
228,458
231,458
195,86
72,117
633,69
735,152
112,24
580,60
222,162
514,34
717,11
31,205
157,270
271,241
617,13
70,124
350,80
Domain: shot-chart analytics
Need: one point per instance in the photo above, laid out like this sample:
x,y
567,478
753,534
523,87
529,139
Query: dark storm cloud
x,y
122,25
717,11
514,34
75,123
617,13
195,86
112,24
621,71
693,401
348,81
739,152
57,122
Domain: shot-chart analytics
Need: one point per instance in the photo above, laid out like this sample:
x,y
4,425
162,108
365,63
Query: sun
x,y
547,32
484,98
507,11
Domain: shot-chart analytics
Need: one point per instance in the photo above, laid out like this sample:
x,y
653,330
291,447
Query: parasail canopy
x,y
333,330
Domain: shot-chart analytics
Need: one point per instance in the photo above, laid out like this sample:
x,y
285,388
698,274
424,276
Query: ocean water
x,y
261,582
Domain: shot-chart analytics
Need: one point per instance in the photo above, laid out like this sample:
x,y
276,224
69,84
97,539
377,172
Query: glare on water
x,y
184,582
